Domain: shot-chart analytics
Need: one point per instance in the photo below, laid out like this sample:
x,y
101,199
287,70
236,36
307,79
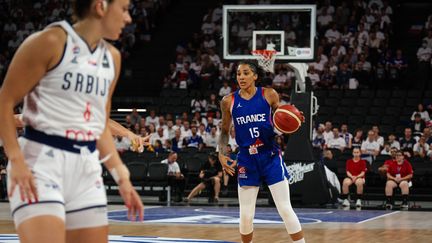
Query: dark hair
x,y
254,67
82,7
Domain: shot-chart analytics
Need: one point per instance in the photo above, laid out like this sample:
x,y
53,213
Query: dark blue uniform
x,y
259,157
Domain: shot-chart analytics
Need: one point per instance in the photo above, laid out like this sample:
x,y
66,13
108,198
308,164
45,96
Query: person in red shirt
x,y
384,168
355,170
399,175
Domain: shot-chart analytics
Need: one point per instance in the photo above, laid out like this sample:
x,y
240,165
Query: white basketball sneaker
x,y
345,203
358,203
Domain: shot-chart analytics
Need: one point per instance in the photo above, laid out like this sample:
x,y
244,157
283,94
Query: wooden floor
x,y
401,227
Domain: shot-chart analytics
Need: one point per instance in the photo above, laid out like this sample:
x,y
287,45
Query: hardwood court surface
x,y
396,227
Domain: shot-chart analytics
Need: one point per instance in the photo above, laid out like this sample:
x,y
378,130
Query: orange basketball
x,y
287,119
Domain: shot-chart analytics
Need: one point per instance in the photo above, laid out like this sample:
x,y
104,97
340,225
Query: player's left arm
x,y
114,164
272,97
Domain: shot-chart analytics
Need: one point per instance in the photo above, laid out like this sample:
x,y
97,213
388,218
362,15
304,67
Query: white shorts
x,y
69,186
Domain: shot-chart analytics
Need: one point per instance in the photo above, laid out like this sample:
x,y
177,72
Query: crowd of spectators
x,y
19,19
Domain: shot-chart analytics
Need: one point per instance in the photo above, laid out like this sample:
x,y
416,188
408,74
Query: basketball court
x,y
220,224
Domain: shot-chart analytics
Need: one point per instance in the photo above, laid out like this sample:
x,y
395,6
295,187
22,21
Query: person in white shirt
x,y
122,143
424,53
378,138
423,113
393,141
280,79
231,140
421,148
332,34
335,142
225,89
211,139
370,147
185,130
152,118
175,177
160,135
327,130
346,135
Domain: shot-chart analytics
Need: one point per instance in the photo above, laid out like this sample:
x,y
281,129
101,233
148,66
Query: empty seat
x,y
399,94
335,94
364,102
389,120
331,102
320,93
348,102
396,102
392,111
351,93
386,130
414,94
367,94
362,111
355,121
326,110
383,94
372,120
412,102
338,120
343,111
380,102
376,111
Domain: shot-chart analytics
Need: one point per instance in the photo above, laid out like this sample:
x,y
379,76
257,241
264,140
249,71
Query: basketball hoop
x,y
266,59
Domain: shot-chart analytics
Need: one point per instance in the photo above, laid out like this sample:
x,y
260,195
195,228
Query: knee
x,y
359,182
216,179
403,185
347,182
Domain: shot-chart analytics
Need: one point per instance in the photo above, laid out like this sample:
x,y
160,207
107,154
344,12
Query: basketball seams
x,y
289,113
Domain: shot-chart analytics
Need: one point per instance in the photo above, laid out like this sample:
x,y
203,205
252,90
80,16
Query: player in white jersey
x,y
66,75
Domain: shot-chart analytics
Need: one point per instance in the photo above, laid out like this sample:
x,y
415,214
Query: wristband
x,y
119,172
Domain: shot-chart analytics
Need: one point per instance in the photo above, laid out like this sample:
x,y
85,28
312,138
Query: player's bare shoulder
x,y
226,102
272,96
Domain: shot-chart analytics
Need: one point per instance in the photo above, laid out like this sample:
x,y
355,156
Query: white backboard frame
x,y
269,32
272,8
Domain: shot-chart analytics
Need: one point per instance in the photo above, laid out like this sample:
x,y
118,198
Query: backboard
x,y
287,29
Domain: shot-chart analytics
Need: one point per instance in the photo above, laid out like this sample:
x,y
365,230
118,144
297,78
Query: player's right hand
x,y
224,162
132,200
21,176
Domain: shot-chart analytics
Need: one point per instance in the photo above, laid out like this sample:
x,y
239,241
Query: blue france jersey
x,y
252,121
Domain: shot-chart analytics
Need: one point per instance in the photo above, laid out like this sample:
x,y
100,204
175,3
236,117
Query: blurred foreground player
x,y
250,109
67,75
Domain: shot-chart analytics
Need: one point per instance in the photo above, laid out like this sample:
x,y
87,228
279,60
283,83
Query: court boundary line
x,y
377,217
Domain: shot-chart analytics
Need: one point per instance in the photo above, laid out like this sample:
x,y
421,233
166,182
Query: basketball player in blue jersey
x,y
259,158
66,75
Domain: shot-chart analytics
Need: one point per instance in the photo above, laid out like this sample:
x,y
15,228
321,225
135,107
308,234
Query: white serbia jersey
x,y
70,100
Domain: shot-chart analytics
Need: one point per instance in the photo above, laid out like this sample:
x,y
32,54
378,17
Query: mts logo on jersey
x,y
251,118
242,172
88,84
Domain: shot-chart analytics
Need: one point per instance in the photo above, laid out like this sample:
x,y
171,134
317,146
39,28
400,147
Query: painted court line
x,y
377,217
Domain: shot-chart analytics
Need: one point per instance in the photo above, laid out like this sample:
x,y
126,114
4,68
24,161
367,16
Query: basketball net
x,y
266,59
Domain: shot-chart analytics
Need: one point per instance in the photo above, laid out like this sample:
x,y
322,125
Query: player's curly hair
x,y
257,69
82,7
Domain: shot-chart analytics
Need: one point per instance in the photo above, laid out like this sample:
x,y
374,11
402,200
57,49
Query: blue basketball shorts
x,y
266,165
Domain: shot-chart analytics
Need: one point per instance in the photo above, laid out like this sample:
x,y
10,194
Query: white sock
x,y
300,241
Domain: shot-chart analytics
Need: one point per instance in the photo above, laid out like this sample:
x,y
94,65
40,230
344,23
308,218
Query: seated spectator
x,y
232,141
417,125
355,171
177,141
280,80
407,142
328,133
211,139
128,124
158,147
370,148
135,116
122,144
357,140
170,129
232,162
198,104
225,89
346,135
382,170
210,175
335,142
175,178
152,118
185,129
212,105
193,141
386,150
399,174
393,142
421,148
427,134
378,138
318,138
159,135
